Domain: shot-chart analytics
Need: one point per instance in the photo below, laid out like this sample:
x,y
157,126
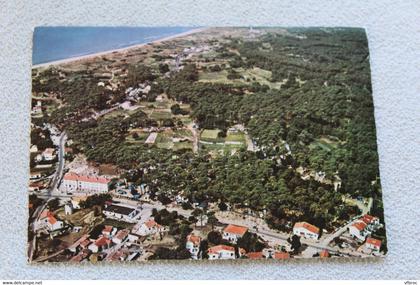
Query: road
x,y
48,196
338,232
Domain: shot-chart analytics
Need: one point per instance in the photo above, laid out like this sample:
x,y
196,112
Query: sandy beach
x,y
92,55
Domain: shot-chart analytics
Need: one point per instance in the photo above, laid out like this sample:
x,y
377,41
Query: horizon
x,y
51,44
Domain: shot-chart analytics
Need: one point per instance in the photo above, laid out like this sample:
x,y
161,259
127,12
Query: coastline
x,y
92,55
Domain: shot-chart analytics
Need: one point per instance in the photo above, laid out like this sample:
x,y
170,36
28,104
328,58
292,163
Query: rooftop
x,y
373,241
307,226
236,230
281,255
84,178
220,247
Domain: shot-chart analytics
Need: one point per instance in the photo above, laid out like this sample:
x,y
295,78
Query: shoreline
x,y
96,54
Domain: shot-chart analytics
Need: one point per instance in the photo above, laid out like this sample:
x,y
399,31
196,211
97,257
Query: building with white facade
x,y
373,244
306,230
233,232
150,228
73,182
48,222
359,230
193,245
222,251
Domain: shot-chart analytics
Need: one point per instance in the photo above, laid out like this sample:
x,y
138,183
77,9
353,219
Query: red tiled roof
x,y
373,241
307,226
368,218
194,239
84,178
152,224
281,255
52,220
255,255
102,241
45,214
121,234
49,215
324,253
360,225
236,230
220,247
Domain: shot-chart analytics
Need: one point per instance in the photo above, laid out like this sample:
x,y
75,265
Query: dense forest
x,y
326,97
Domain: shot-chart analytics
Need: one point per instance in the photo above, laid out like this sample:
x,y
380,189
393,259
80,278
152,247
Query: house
x,y
49,154
150,228
281,255
121,236
48,222
255,255
358,230
371,221
100,244
373,244
193,245
121,213
306,230
73,182
324,254
109,231
221,252
233,232
361,228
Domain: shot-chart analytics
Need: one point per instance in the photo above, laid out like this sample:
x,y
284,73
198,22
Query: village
x,y
126,227
80,211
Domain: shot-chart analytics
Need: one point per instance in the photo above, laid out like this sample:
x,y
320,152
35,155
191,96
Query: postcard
x,y
197,143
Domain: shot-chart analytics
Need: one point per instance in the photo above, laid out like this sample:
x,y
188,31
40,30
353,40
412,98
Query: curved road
x,y
48,196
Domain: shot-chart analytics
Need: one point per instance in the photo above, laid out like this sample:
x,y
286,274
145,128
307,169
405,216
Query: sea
x,y
57,43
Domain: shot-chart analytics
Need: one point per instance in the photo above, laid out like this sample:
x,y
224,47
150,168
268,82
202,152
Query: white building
x,y
222,251
73,182
48,222
306,230
100,244
49,154
121,236
359,230
233,232
150,228
373,244
121,213
193,245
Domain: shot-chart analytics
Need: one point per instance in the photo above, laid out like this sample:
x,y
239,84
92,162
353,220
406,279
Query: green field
x,y
164,140
142,137
236,137
160,115
182,145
